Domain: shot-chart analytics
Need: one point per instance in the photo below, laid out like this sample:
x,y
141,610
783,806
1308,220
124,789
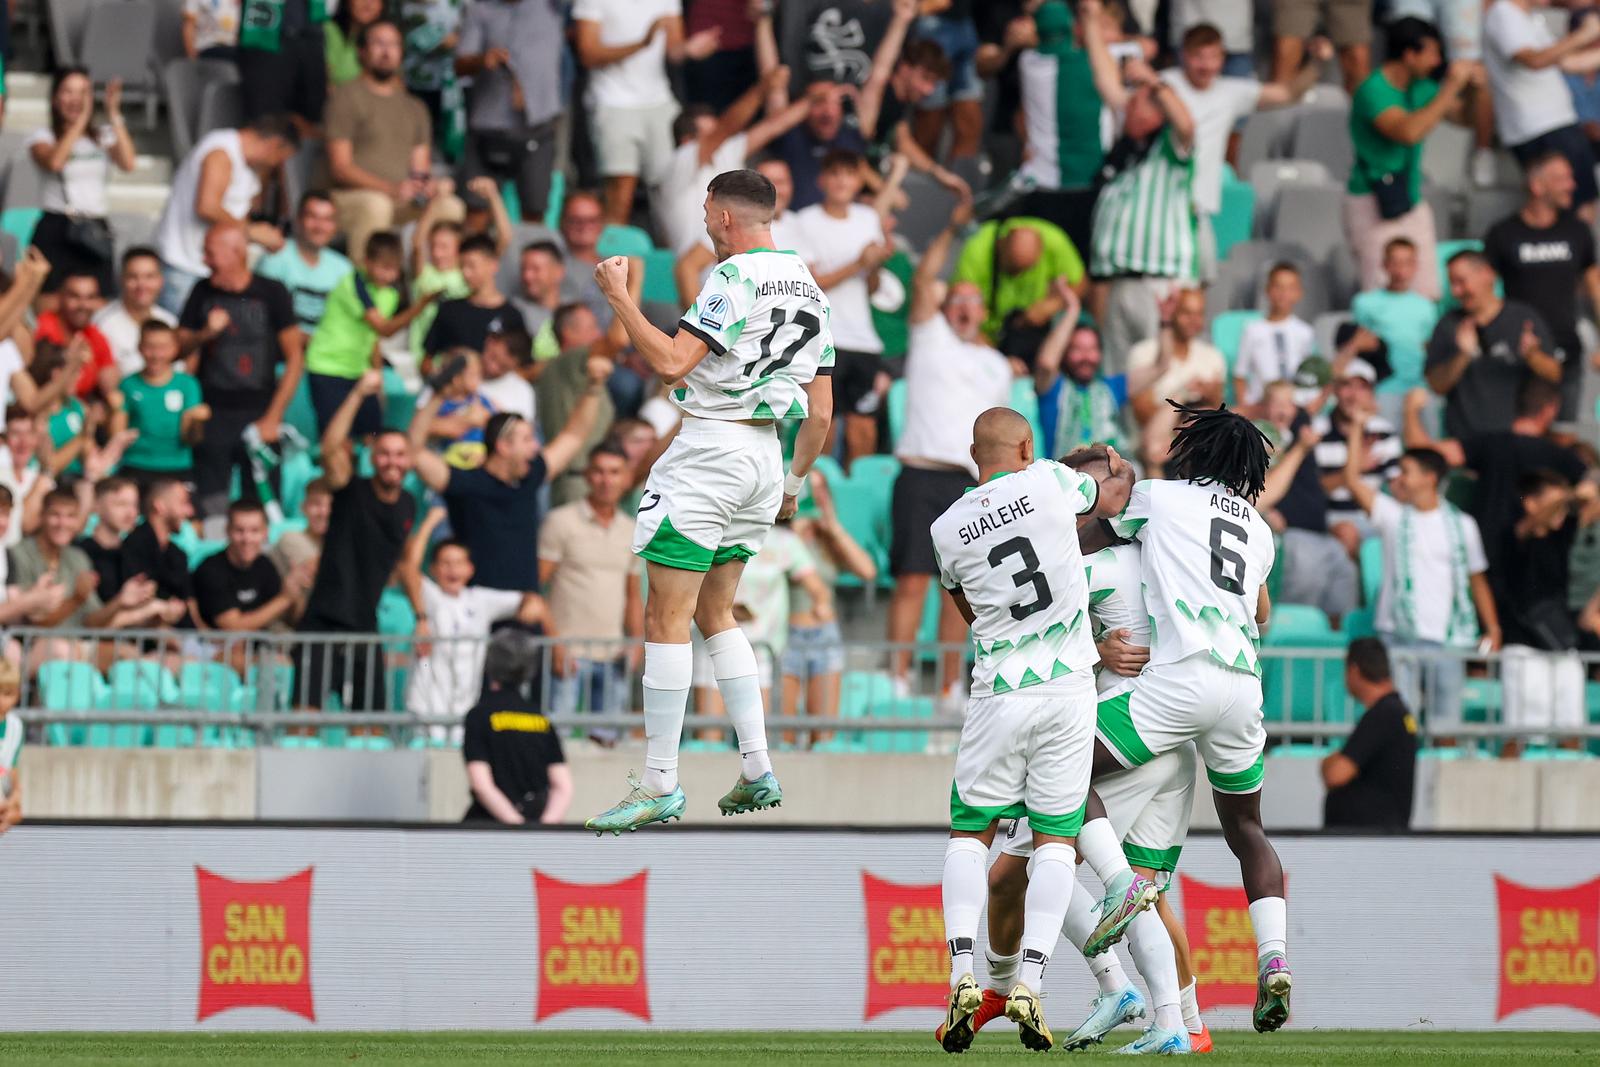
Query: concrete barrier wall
x,y
819,788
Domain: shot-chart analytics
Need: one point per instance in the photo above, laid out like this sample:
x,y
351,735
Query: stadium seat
x,y
859,691
1447,213
19,221
1485,207
659,285
1025,402
67,685
221,108
204,549
897,410
619,240
899,740
1359,623
1481,700
298,471
864,502
1234,221
1269,178
119,43
1371,570
830,470
1265,136
212,687
1322,134
1226,330
396,617
1310,216
144,685
1326,327
1289,685
1445,153
68,21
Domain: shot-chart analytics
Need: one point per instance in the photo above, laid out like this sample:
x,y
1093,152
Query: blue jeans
x,y
1429,677
959,39
175,286
596,686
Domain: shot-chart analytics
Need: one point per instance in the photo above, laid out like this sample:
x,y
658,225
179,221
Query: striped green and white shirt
x,y
1144,220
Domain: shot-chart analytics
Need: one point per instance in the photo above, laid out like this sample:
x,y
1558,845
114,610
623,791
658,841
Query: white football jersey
x,y
1011,547
766,322
1116,599
1206,554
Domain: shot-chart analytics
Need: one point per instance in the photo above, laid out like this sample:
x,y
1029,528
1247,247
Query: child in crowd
x,y
362,308
162,405
435,266
449,671
465,411
468,322
1272,347
65,415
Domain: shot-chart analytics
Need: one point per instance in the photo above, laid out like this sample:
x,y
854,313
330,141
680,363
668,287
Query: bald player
x,y
754,348
1008,553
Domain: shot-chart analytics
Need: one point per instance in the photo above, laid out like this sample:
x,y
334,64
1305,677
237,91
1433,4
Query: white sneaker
x,y
954,700
901,687
1485,173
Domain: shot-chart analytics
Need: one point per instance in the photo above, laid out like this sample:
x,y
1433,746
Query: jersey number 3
x,y
1227,566
1028,575
809,326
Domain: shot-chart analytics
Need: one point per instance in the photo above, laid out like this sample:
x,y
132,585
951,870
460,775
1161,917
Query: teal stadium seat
x,y
297,472
214,687
145,685
883,741
897,410
1288,686
1371,561
659,285
66,685
1233,222
618,240
859,692
1359,623
1226,331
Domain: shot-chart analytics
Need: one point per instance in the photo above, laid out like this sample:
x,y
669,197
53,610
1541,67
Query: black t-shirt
x,y
1384,746
992,19
364,540
804,152
1543,268
1305,505
499,523
239,370
1485,399
463,324
219,586
167,565
1500,460
107,564
1531,590
508,732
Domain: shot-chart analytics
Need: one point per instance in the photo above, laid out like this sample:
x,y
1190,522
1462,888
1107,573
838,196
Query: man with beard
x,y
379,143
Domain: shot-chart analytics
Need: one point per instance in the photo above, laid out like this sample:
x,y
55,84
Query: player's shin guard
x,y
668,674
1158,964
1101,850
1050,884
1270,918
966,886
1079,924
733,662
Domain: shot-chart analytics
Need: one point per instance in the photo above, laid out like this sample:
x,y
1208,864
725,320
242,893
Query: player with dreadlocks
x,y
1204,559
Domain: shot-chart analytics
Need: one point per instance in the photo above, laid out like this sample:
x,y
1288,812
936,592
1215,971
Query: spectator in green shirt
x,y
162,405
1016,278
362,308
1391,114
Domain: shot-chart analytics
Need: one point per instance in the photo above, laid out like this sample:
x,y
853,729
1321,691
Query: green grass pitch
x,y
572,1048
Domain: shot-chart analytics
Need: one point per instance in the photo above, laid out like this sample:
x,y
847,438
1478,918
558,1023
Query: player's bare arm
x,y
808,442
671,357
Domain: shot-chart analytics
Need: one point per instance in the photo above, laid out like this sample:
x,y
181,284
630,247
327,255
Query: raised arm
x,y
1416,435
1556,54
1281,475
433,471
670,357
1047,366
767,59
870,104
1107,78
1355,465
927,285
338,465
1412,127
1282,94
563,448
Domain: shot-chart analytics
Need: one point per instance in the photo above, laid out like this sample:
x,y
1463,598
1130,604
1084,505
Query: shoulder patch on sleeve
x,y
714,315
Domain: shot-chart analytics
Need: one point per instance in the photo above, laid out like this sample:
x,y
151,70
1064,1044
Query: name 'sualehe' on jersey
x,y
767,323
1010,547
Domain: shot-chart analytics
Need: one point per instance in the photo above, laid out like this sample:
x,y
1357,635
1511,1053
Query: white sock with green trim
x,y
1270,918
1076,928
1002,971
966,887
1051,879
1189,1003
733,662
1153,954
668,673
1101,850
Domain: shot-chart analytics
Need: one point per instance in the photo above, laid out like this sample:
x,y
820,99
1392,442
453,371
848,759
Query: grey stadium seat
x,y
1310,216
186,81
1323,134
1269,177
509,277
1446,212
1313,274
130,228
1445,155
68,20
1238,275
119,42
1265,136
221,108
1326,327
1485,207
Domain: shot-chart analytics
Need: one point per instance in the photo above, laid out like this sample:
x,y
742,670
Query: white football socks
x,y
1079,924
1270,918
966,887
1101,850
668,673
1051,880
1002,971
1189,1002
733,662
1153,954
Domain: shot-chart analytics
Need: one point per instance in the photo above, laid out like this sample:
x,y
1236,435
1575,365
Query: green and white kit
x,y
1205,555
1010,547
713,495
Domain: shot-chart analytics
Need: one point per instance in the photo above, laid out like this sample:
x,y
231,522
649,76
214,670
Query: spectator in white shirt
x,y
449,675
1272,348
121,320
848,246
952,377
1533,107
1196,371
626,44
1217,102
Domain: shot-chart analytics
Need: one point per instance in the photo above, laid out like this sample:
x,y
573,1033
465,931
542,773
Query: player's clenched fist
x,y
612,275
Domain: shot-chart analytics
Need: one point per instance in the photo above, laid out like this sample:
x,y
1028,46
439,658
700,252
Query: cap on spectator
x,y
1360,368
1314,373
1054,22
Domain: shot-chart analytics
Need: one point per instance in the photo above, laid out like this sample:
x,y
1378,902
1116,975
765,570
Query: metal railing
x,y
168,688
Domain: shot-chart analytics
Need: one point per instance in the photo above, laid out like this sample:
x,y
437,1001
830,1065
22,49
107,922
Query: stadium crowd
x,y
385,270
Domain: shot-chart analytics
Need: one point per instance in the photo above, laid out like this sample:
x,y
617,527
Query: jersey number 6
x,y
1028,575
1227,566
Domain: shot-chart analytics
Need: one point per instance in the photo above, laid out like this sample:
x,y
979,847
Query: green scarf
x,y
1461,631
261,22
1078,152
1086,415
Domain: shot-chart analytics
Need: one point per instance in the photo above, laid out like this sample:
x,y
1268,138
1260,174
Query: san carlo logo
x,y
255,944
591,946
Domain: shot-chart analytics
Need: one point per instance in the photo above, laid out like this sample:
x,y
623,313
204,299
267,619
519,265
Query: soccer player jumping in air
x,y
754,348
1206,553
1008,553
